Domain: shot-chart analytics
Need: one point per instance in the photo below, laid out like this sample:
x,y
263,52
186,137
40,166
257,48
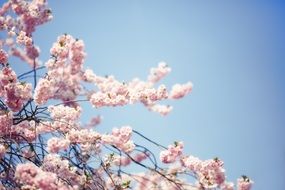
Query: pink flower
x,y
26,173
244,183
28,153
46,180
120,160
17,94
14,93
210,173
7,75
23,39
162,109
5,7
53,163
193,163
3,57
83,136
32,176
55,144
180,90
24,131
139,157
6,121
24,91
89,76
166,157
227,186
120,138
172,153
158,73
64,112
43,91
33,52
94,121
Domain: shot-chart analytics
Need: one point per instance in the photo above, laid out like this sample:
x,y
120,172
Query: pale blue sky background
x,y
233,52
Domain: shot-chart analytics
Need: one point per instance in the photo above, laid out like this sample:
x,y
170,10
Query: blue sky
x,y
233,52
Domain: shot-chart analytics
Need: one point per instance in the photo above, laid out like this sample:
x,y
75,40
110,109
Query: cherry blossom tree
x,y
43,144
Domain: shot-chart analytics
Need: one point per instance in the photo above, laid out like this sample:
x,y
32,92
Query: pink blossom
x,y
24,131
61,167
94,121
5,7
32,176
17,94
45,127
6,121
46,180
244,183
120,138
77,56
172,153
23,39
114,93
139,157
43,91
180,90
162,109
88,140
119,160
64,71
26,173
3,57
55,144
83,136
158,73
100,99
64,112
193,163
89,76
166,157
27,153
33,13
7,75
227,186
210,173
33,52
23,90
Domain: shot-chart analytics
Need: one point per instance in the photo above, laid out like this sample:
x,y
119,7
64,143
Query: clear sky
x,y
233,52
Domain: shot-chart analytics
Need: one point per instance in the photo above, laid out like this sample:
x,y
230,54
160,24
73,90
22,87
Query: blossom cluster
x,y
114,93
121,138
19,30
172,153
14,93
64,74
